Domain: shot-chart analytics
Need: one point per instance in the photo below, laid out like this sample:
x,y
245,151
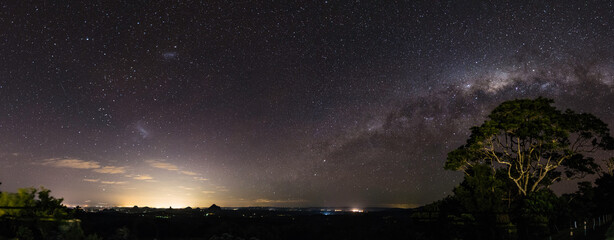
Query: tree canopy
x,y
25,202
534,143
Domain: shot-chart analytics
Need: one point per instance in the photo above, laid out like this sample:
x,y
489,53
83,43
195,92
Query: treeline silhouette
x,y
542,216
34,214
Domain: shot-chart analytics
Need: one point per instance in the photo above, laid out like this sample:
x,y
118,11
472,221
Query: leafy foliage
x,y
24,197
534,143
46,205
481,191
26,203
512,158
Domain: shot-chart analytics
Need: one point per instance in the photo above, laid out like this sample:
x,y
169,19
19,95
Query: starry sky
x,y
267,103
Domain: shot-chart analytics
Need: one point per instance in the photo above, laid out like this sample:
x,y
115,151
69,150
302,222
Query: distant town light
x,y
356,210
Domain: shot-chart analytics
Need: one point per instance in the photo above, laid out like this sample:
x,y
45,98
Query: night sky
x,y
315,103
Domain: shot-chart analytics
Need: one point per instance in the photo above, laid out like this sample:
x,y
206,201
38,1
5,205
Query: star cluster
x,y
325,103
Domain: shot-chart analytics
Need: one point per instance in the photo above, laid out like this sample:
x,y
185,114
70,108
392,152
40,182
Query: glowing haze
x,y
254,104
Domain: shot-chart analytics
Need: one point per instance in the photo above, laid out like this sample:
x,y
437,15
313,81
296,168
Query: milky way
x,y
298,104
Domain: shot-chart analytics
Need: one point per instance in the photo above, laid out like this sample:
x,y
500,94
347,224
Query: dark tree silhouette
x,y
604,192
47,205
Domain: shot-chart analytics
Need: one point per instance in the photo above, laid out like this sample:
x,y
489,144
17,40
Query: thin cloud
x,y
208,192
201,179
113,182
111,170
189,173
222,188
162,165
142,177
70,163
91,180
